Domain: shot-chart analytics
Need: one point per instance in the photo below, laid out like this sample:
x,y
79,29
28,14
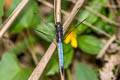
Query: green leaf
x,y
29,16
65,4
100,2
50,18
100,24
111,29
46,31
90,44
53,66
111,17
10,69
23,74
84,14
68,55
1,10
81,28
83,72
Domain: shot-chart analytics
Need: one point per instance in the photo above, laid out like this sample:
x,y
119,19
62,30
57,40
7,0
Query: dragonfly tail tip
x,y
62,70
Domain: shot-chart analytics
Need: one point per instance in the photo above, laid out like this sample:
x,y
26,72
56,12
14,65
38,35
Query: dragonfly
x,y
59,38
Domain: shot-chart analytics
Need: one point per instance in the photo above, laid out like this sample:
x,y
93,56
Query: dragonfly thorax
x,y
59,32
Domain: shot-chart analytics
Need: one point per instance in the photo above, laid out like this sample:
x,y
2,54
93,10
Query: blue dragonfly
x,y
59,38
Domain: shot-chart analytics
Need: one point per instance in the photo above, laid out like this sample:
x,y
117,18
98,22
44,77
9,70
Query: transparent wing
x,y
74,28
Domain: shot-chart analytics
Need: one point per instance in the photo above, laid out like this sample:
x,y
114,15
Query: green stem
x,y
69,74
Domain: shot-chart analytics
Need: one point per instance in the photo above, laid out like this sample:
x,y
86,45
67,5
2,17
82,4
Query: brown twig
x,y
33,54
6,25
102,52
57,10
102,16
96,29
117,17
102,5
45,59
31,49
118,28
107,6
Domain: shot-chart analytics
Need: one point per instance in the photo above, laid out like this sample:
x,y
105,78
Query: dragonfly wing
x,y
61,60
74,28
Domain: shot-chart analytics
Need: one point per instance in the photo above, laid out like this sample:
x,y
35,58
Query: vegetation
x,y
30,35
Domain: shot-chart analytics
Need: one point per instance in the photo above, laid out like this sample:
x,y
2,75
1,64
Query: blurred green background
x,y
33,31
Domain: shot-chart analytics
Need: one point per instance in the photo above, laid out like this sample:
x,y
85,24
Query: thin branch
x,y
102,16
6,25
50,5
46,58
102,5
96,29
117,17
31,48
57,10
107,6
102,52
33,54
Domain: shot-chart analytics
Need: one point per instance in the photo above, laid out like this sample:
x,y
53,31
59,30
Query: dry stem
x,y
57,10
6,25
102,52
102,16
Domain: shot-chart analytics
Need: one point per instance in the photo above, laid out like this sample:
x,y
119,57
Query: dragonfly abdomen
x,y
61,60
